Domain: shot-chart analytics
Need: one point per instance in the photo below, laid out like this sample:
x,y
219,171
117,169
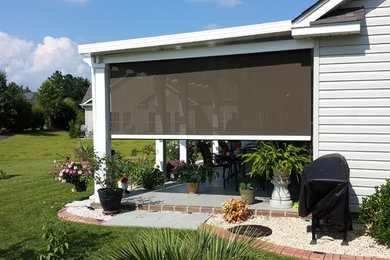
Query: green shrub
x,y
54,239
74,125
147,174
160,244
38,117
374,212
172,150
23,116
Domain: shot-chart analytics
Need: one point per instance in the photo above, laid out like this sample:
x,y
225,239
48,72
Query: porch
x,y
173,196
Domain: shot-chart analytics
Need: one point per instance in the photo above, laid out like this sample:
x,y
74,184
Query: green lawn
x,y
30,197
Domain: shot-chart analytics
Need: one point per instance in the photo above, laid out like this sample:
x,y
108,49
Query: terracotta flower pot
x,y
192,188
248,195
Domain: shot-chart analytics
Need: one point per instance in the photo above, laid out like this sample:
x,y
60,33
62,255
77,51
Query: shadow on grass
x,y
18,251
80,240
10,176
41,133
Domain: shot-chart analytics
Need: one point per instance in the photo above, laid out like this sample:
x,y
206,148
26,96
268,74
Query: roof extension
x,y
207,37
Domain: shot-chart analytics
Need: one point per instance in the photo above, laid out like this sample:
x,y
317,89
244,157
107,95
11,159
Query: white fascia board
x,y
327,30
216,137
186,38
321,9
233,49
86,102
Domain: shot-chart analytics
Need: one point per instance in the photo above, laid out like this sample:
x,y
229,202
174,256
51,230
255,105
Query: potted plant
x,y
147,174
112,170
247,191
280,159
76,172
192,174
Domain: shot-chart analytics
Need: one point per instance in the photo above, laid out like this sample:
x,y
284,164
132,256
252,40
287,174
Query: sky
x,y
38,37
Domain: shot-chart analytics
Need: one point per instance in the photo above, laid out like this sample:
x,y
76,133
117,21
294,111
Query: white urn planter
x,y
281,195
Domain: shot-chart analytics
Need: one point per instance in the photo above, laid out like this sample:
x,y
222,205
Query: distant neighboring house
x,y
30,97
86,103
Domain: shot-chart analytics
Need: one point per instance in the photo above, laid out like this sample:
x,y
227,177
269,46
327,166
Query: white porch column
x,y
101,113
215,147
183,149
161,155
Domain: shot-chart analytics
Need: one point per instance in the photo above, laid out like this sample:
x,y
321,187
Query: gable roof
x,y
87,97
341,15
30,97
316,11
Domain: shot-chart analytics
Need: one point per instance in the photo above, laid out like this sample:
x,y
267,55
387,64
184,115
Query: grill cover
x,y
324,190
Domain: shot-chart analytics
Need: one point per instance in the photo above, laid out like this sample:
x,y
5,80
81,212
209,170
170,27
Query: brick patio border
x,y
63,214
199,209
277,249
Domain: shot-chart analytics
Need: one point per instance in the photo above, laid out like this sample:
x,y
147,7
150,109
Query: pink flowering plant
x,y
73,171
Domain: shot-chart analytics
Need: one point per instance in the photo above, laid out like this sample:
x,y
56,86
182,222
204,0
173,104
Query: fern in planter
x,y
270,155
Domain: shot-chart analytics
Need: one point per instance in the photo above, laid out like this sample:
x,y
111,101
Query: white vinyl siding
x,y
354,99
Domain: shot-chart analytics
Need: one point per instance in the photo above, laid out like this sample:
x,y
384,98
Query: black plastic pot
x,y
80,186
110,200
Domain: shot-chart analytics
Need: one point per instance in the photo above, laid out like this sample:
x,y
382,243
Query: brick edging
x,y
290,251
199,209
65,215
264,245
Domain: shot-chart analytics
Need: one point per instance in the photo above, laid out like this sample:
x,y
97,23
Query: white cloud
x,y
30,65
77,1
212,26
228,3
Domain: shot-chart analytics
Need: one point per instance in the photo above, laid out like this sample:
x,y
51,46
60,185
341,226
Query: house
x,y
323,77
30,97
86,104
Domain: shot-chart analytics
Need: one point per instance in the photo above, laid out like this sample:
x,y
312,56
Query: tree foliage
x,y
59,95
69,86
15,111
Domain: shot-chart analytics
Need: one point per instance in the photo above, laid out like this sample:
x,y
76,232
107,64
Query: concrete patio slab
x,y
210,195
158,219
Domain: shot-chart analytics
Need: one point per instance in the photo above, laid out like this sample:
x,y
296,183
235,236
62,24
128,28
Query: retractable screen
x,y
251,94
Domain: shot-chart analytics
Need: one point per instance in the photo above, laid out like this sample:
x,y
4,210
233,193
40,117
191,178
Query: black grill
x,y
325,194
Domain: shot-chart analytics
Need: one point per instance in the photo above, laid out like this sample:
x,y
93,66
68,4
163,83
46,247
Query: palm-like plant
x,y
160,244
267,156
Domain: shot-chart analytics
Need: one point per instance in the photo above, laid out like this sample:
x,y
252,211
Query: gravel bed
x,y
96,213
292,232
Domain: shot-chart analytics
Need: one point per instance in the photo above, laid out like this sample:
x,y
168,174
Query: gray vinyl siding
x,y
354,99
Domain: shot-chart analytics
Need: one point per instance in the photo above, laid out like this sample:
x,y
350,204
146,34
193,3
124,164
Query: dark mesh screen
x,y
251,94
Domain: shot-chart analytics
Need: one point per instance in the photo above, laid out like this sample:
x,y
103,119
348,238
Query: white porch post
x,y
215,147
183,149
161,155
101,113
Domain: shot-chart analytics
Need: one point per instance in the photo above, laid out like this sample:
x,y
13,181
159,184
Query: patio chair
x,y
211,159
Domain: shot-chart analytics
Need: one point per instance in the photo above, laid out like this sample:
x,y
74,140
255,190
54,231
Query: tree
x,y
73,87
50,98
15,112
38,117
59,96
